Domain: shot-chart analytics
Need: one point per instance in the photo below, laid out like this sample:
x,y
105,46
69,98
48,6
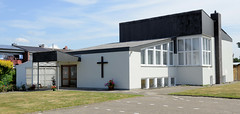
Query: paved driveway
x,y
157,102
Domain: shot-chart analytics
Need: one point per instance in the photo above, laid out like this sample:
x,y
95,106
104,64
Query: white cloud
x,y
81,2
21,40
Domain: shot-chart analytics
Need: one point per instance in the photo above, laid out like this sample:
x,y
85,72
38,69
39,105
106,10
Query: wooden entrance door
x,y
69,75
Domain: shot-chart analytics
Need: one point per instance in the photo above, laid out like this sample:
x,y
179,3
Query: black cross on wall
x,y
102,68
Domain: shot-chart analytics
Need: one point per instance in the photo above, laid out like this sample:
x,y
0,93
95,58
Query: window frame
x,y
206,51
189,51
154,55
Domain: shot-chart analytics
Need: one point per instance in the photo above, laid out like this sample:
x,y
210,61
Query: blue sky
x,y
84,23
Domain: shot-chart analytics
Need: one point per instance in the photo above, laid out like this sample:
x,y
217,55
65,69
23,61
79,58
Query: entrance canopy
x,y
54,56
50,59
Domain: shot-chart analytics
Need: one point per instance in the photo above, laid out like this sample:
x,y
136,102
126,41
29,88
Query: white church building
x,y
185,48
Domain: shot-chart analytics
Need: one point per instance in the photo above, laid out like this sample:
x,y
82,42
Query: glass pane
x,y
188,58
150,56
187,44
172,81
73,82
180,45
196,58
165,82
195,43
204,57
171,46
151,83
159,82
143,83
142,56
165,58
209,58
208,44
158,47
180,59
171,58
204,43
65,82
73,72
164,46
65,72
158,57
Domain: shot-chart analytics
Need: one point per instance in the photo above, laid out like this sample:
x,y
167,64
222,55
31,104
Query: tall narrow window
x,y
180,52
158,55
188,45
171,47
150,55
195,59
165,52
206,52
143,56
180,45
180,59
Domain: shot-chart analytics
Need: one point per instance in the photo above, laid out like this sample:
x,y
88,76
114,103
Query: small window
x,y
164,46
188,58
195,43
180,59
158,47
143,56
171,58
180,45
165,59
196,58
158,57
150,56
171,46
187,44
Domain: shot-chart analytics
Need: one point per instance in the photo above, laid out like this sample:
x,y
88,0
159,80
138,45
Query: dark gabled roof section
x,y
32,49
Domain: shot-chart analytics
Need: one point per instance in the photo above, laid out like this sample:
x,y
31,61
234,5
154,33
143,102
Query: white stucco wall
x,y
227,60
189,75
89,72
138,71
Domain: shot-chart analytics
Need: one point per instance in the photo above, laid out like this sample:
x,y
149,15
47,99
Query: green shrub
x,y
6,75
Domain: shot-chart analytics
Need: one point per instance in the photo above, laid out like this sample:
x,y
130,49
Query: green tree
x,y
236,60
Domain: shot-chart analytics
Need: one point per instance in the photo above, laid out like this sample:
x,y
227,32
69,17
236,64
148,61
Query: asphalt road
x,y
157,102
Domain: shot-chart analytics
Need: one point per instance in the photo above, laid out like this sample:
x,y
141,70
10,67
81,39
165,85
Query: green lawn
x,y
223,91
25,102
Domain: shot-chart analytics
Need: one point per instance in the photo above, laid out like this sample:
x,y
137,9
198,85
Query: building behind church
x,y
185,48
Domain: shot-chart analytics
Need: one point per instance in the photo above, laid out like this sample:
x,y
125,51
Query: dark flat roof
x,y
54,56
